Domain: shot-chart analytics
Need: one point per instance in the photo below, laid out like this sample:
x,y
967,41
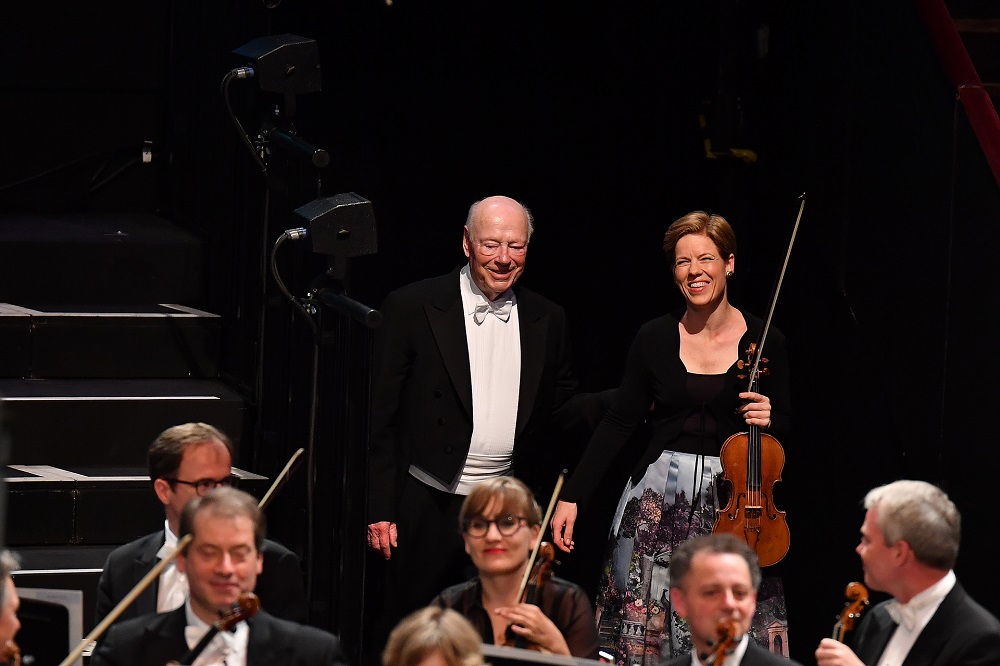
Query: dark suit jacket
x,y
422,389
153,640
754,656
960,633
280,586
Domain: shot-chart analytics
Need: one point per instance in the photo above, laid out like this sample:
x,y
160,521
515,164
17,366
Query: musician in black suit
x,y
186,461
221,563
909,544
714,579
471,377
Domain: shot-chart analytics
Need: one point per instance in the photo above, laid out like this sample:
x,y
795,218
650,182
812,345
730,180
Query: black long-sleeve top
x,y
655,375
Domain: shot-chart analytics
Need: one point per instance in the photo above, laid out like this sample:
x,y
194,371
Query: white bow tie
x,y
902,614
223,644
499,308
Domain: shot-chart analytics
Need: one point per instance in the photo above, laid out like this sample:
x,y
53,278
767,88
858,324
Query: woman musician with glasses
x,y
500,522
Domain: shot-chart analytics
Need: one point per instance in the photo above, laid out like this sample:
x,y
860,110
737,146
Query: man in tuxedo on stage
x,y
472,377
713,580
221,564
187,461
909,544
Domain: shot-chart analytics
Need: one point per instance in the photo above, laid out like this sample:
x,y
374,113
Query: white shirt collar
x,y
472,295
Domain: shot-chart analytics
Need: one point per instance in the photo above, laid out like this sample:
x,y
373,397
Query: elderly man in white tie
x,y
909,544
471,380
221,564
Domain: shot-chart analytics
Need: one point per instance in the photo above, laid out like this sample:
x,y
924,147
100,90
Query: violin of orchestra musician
x,y
501,521
714,580
221,562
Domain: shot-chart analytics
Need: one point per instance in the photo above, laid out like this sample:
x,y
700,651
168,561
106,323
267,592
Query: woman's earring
x,y
729,274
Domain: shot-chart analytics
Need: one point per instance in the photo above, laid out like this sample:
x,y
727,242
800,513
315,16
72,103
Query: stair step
x,y
75,501
125,258
109,422
153,341
970,25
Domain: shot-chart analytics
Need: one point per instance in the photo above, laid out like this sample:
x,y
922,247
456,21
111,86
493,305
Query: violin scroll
x,y
724,645
245,607
857,601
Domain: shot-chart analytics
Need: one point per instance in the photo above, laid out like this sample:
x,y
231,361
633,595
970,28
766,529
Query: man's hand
x,y
835,653
562,525
382,537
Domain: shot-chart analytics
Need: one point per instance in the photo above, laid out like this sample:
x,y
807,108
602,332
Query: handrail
x,y
963,76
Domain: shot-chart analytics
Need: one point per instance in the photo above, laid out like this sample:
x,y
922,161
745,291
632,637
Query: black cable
x,y
290,234
240,73
296,234
114,174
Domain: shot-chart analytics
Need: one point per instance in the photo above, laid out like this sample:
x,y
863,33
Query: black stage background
x,y
589,113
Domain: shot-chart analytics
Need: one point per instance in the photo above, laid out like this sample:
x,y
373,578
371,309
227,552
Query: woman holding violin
x,y
500,522
684,380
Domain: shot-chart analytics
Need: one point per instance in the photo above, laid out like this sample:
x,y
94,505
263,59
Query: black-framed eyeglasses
x,y
202,486
506,525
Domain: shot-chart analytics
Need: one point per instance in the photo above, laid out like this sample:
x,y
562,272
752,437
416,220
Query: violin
x,y
724,645
857,602
155,572
538,572
243,608
539,575
752,461
10,654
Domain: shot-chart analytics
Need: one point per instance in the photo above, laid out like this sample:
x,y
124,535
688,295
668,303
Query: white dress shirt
x,y
173,585
912,618
495,366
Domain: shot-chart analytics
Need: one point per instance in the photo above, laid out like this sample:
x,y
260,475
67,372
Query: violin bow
x,y
155,572
538,541
774,297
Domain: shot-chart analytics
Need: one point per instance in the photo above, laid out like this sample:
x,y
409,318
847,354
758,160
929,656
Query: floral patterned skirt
x,y
675,500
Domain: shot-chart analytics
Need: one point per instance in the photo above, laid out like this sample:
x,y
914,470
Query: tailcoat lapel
x,y
534,334
146,601
932,638
164,641
447,322
261,647
876,637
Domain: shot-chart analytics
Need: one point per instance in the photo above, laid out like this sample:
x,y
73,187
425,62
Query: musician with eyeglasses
x,y
500,522
187,461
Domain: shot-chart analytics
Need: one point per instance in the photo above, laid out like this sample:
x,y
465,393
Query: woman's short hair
x,y
511,495
434,630
699,222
